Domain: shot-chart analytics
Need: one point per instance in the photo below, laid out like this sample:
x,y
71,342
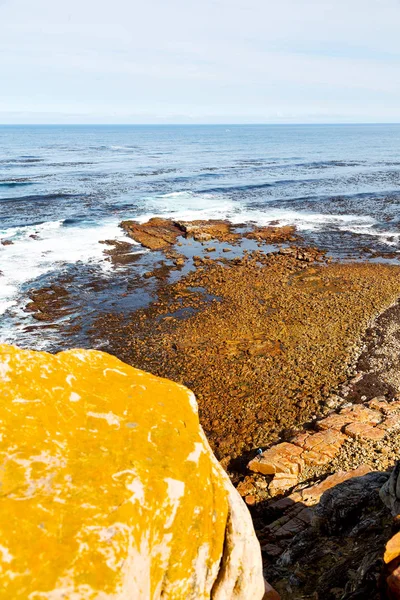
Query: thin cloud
x,y
241,61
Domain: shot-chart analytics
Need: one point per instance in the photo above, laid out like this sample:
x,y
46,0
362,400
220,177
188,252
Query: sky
x,y
199,61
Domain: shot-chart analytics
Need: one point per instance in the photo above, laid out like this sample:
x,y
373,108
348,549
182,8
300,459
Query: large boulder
x,y
109,489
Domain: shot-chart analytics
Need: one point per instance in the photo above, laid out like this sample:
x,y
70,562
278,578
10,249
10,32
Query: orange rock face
x,y
109,489
282,458
312,495
290,458
161,234
156,234
273,235
282,482
392,548
270,593
393,584
206,230
288,461
392,559
364,431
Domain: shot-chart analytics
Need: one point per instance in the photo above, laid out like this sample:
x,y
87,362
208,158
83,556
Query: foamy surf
x,y
306,221
40,249
83,181
188,206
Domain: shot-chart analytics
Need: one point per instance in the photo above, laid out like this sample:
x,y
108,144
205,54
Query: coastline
x,y
274,338
274,343
263,340
261,328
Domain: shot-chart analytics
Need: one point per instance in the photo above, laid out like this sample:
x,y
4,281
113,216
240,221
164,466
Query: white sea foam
x,y
56,245
186,206
386,237
307,221
189,206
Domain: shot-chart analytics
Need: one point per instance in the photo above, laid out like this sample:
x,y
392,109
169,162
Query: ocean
x,y
63,189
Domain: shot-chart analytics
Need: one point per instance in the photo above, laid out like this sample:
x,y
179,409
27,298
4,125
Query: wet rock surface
x,y
156,234
49,303
160,234
285,350
121,252
260,339
203,231
273,235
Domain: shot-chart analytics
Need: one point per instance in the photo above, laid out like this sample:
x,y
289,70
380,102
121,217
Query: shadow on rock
x,y
332,549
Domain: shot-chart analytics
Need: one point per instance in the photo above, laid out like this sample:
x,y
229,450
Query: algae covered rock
x,y
109,488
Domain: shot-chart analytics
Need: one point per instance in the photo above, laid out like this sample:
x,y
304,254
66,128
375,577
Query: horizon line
x,y
196,124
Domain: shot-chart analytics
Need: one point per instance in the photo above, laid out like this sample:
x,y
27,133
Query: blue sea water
x,y
65,188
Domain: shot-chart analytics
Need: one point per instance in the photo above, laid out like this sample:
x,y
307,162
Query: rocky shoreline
x,y
332,328
233,329
275,339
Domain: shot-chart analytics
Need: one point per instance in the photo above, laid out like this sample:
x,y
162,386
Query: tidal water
x,y
65,188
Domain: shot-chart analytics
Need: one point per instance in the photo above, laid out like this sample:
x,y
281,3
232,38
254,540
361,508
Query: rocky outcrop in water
x,y
161,234
273,235
109,488
156,234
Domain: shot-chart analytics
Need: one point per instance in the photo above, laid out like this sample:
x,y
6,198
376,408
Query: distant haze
x,y
199,61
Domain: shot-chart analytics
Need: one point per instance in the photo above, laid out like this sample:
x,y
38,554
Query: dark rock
x,y
390,492
340,506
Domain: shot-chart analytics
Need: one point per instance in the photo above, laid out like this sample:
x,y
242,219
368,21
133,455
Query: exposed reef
x,y
263,340
294,361
160,234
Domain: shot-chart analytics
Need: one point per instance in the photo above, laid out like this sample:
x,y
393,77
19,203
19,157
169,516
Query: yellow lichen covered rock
x,y
108,487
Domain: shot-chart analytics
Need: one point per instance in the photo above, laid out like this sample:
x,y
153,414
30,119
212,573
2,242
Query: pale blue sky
x,y
199,61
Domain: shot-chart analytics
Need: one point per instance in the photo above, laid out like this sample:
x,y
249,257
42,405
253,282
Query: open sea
x,y
65,188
